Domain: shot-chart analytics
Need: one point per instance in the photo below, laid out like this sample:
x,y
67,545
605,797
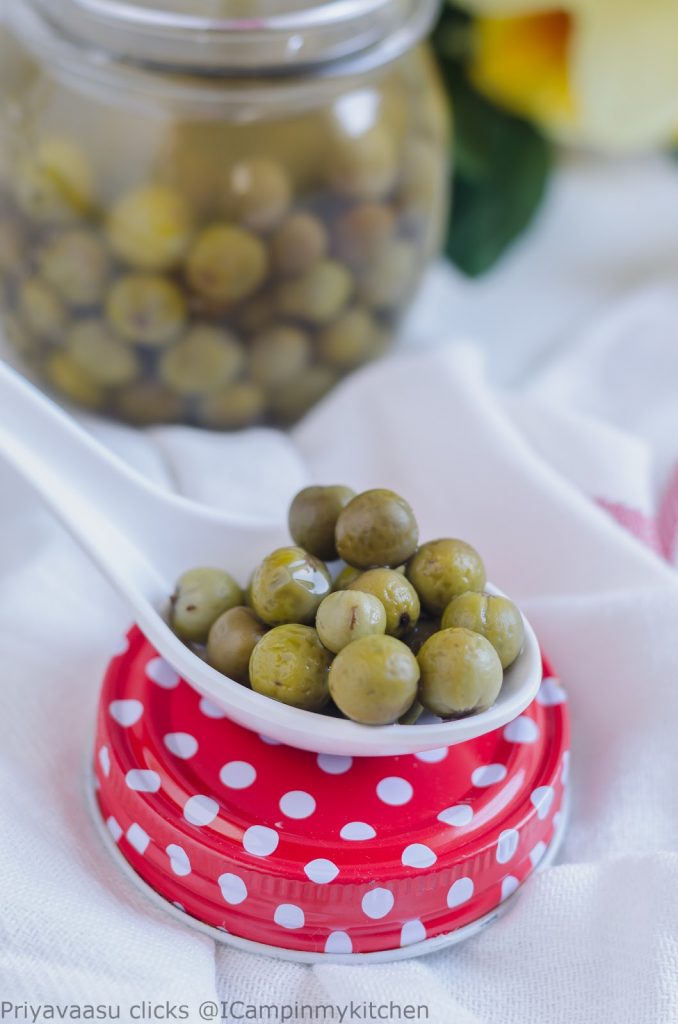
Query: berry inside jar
x,y
214,250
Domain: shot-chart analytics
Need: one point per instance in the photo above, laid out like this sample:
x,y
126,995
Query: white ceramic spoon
x,y
142,538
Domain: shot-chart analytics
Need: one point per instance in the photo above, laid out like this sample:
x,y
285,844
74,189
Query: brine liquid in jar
x,y
215,234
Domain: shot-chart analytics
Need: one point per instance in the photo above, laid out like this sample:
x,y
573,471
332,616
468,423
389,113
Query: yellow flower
x,y
598,72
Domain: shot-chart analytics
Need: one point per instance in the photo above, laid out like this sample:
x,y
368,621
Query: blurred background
x,y
181,247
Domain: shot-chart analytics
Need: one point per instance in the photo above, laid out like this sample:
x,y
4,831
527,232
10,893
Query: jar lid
x,y
320,854
236,37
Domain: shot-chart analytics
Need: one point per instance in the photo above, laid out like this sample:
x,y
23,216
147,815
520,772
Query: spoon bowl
x,y
142,538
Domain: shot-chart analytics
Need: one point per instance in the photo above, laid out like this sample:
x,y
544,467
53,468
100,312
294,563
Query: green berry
x,y
150,228
226,264
288,586
374,680
146,309
460,673
290,665
200,597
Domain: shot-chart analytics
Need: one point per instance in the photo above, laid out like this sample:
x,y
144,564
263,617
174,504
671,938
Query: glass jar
x,y
212,211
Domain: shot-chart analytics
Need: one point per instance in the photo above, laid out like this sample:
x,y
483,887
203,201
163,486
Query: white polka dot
x,y
137,838
211,710
522,730
105,761
289,916
460,892
551,693
334,764
418,856
200,810
338,943
507,845
237,774
321,871
394,791
181,744
377,903
357,830
537,854
269,741
260,841
541,799
162,674
233,889
126,712
113,826
433,756
565,771
488,774
411,932
457,815
297,804
179,862
557,820
508,887
143,780
120,647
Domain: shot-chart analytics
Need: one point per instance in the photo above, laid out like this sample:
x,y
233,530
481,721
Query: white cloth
x,y
594,939
540,478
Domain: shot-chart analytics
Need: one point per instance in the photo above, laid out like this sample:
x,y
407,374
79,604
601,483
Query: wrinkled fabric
x,y
564,485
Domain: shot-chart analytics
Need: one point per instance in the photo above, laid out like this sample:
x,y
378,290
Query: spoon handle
x,y
93,493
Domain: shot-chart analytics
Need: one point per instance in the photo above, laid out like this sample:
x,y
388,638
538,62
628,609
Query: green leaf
x,y
452,35
503,166
502,163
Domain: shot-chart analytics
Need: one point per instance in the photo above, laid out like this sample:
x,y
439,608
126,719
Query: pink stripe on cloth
x,y
667,518
642,526
660,532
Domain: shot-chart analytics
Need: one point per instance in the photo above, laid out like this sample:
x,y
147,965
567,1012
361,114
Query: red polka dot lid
x,y
320,853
